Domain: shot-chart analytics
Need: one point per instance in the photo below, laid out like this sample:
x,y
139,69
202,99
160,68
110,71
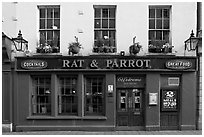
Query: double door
x,y
130,107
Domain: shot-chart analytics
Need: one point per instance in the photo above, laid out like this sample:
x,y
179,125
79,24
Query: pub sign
x,y
106,63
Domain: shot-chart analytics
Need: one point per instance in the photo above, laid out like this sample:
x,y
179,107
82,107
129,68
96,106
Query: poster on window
x,y
169,100
122,99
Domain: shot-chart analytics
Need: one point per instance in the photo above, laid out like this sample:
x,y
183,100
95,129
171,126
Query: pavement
x,y
188,132
6,131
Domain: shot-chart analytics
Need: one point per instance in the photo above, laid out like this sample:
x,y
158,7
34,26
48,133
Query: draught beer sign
x,y
169,100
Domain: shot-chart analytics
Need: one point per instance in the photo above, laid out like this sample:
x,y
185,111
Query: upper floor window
x,y
49,28
159,29
104,29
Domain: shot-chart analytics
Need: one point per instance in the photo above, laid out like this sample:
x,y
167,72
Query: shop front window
x,y
67,96
41,95
94,96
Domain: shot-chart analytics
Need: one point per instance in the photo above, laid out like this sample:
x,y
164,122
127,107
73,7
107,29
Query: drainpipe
x,y
199,19
199,56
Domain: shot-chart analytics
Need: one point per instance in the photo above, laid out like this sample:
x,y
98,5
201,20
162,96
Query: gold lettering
x,y
146,63
108,62
81,63
139,65
74,64
66,63
115,63
131,63
122,63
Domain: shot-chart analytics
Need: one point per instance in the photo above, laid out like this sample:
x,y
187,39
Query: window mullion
x,y
162,21
155,20
101,20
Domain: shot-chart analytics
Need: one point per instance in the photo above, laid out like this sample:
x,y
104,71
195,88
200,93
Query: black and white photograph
x,y
101,67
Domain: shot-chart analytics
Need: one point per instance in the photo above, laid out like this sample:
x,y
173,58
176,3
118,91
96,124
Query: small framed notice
x,y
153,98
110,90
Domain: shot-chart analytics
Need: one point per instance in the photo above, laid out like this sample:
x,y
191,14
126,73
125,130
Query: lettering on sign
x,y
127,63
109,63
178,64
34,64
73,64
130,81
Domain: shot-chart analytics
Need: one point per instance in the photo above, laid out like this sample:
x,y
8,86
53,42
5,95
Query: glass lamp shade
x,y
191,43
20,43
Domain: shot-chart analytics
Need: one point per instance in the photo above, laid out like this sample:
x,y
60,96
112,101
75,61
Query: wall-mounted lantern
x,y
191,44
20,43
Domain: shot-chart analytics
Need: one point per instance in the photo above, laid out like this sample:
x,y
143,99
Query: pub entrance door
x,y
130,108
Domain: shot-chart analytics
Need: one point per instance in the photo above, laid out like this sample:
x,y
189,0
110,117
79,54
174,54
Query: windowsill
x,y
100,54
152,54
67,117
46,54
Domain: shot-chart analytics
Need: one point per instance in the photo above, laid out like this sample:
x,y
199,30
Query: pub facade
x,y
105,93
100,66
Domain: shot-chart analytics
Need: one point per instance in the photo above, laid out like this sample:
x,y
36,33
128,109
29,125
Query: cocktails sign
x,y
33,64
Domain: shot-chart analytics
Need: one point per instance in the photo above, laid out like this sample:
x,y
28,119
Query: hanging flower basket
x,y
135,48
74,47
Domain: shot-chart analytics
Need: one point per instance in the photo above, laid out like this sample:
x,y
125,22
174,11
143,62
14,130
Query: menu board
x,y
169,100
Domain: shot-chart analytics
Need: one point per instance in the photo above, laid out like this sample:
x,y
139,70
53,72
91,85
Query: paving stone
x,y
192,132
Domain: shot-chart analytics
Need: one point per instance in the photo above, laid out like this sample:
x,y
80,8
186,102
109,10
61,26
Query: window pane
x,y
49,23
57,34
166,24
159,23
57,23
166,36
158,13
97,23
151,24
151,13
104,33
105,13
166,13
104,23
97,13
97,34
111,23
159,35
49,13
112,13
42,23
43,36
151,35
49,35
112,34
42,13
56,13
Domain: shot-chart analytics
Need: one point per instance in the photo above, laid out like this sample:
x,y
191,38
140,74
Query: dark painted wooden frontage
x,y
105,93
